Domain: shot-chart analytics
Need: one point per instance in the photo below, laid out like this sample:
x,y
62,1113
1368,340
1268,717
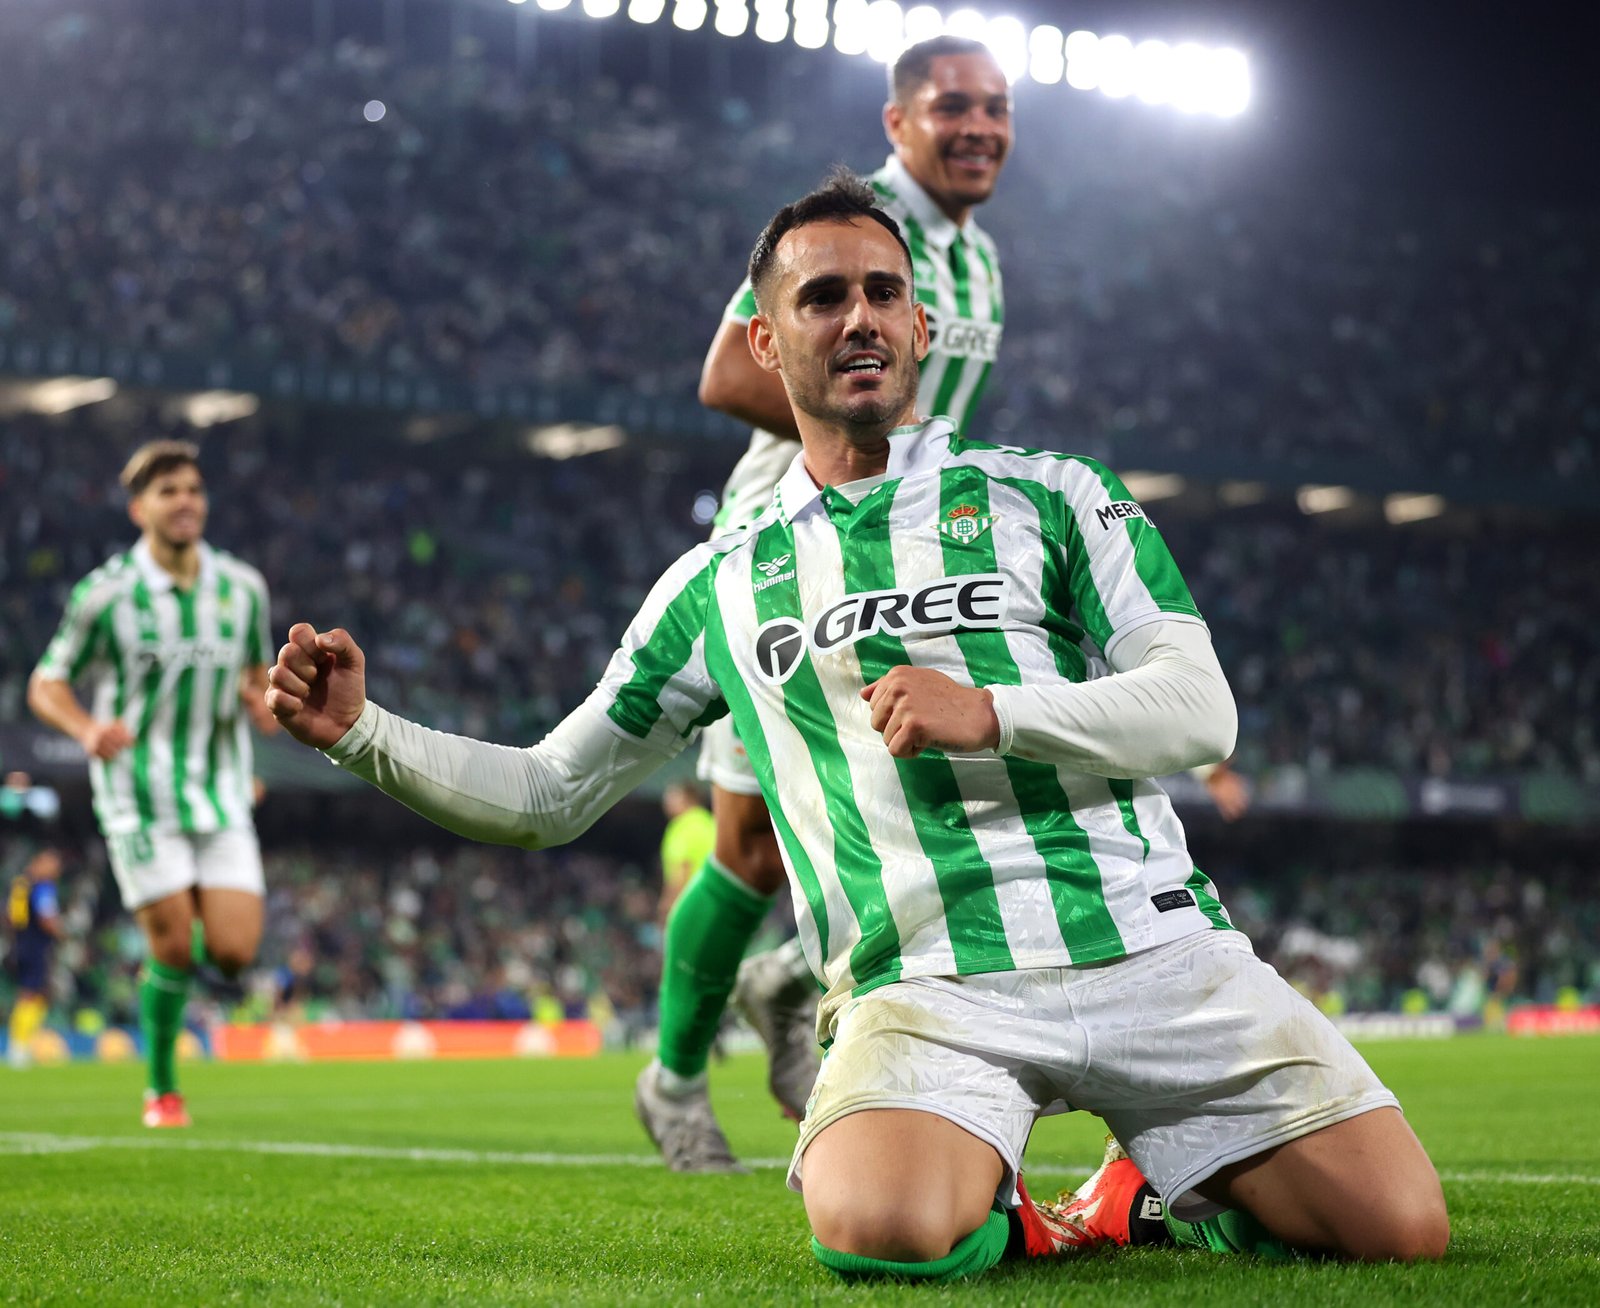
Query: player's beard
x,y
871,413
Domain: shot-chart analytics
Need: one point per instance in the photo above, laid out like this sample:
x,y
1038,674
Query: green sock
x,y
1231,1231
978,1252
708,930
163,992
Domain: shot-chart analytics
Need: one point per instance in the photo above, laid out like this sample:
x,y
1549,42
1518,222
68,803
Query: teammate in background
x,y
35,917
173,635
686,843
955,666
948,119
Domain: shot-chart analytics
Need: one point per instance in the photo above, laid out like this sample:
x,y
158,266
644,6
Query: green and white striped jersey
x,y
168,663
957,274
996,566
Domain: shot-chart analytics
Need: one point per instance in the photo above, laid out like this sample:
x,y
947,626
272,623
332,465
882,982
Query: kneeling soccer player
x,y
953,666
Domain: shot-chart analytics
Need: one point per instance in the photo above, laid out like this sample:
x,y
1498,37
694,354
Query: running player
x,y
948,118
954,666
35,916
173,636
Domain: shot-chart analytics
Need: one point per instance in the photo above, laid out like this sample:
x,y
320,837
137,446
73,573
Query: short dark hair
x,y
841,199
155,459
915,64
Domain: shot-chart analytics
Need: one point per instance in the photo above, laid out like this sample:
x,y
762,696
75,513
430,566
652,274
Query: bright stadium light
x,y
886,30
733,17
554,4
1324,499
1147,486
64,394
850,26
968,23
1083,61
1009,40
1152,71
1116,66
646,11
1191,78
1047,61
1400,509
923,22
811,23
519,2
772,19
689,15
601,8
1230,85
374,110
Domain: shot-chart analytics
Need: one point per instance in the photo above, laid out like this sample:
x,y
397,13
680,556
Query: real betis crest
x,y
964,524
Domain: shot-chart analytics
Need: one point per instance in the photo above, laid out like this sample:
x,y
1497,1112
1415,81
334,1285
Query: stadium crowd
x,y
468,931
492,587
1167,286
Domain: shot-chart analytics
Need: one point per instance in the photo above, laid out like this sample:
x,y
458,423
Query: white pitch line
x,y
26,1142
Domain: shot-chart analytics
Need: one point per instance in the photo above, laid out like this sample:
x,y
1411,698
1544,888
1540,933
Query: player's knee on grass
x,y
901,1232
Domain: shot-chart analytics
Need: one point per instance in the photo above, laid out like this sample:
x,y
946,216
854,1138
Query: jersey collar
x,y
158,578
913,449
933,220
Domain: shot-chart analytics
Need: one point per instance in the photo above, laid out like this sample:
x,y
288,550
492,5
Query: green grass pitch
x,y
530,1182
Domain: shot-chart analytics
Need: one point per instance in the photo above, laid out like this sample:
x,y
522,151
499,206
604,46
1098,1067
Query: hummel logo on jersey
x,y
772,575
964,524
948,604
1120,509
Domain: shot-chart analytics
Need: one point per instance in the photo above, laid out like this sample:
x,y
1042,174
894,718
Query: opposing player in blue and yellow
x,y
34,916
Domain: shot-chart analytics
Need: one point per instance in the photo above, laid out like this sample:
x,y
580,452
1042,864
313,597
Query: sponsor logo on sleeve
x,y
1119,509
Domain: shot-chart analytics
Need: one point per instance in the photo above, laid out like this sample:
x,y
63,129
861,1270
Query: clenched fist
x,y
318,686
920,708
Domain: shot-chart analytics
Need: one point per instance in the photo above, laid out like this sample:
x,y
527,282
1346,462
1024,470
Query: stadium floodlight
x,y
968,23
886,30
646,11
374,110
1190,73
601,8
211,408
1083,61
1324,499
1008,38
1147,486
1241,494
811,23
553,5
1116,66
850,26
923,22
64,394
1230,83
1152,71
570,440
519,2
733,17
1047,61
689,15
772,19
1398,509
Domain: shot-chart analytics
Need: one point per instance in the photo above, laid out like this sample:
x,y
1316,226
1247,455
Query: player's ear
x,y
894,116
136,512
919,329
763,347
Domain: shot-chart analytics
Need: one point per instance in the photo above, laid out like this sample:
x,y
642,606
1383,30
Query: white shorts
x,y
723,761
150,865
1196,1053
